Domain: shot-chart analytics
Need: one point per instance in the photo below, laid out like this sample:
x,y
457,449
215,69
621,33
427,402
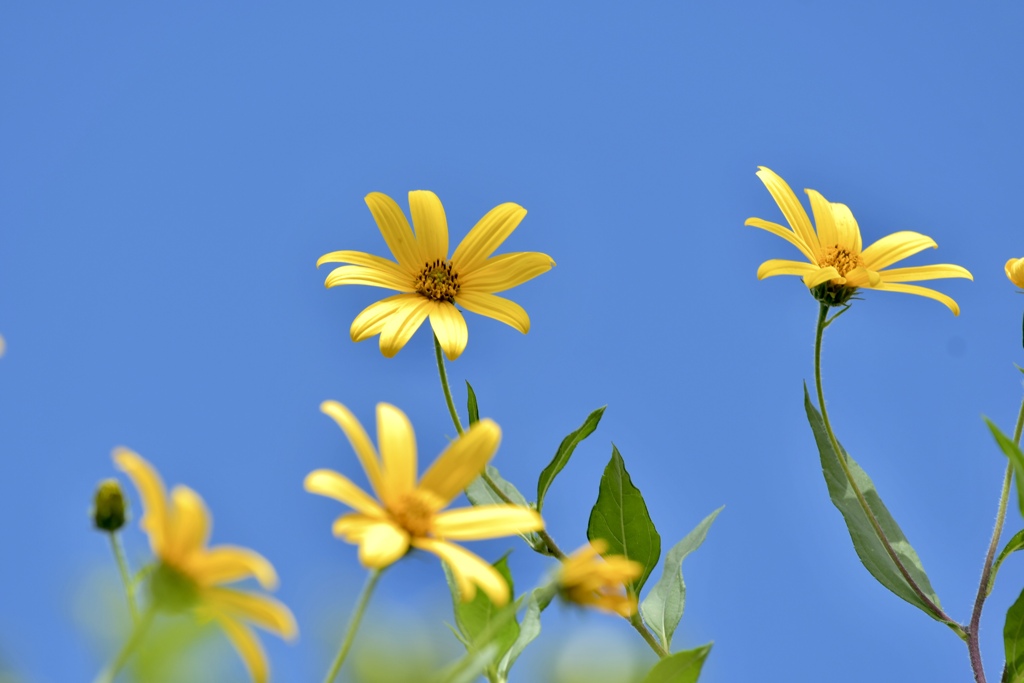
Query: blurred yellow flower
x,y
191,576
407,514
836,264
430,283
590,580
1015,271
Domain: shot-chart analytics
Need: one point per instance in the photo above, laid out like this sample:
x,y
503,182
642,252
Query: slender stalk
x,y
122,565
444,385
353,624
931,606
636,622
973,642
109,675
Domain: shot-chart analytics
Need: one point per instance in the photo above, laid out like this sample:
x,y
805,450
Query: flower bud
x,y
109,509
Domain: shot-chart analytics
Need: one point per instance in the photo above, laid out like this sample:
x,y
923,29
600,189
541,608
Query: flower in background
x,y
189,575
1015,271
836,264
586,578
407,514
430,283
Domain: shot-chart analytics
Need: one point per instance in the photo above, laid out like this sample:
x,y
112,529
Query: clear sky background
x,y
169,175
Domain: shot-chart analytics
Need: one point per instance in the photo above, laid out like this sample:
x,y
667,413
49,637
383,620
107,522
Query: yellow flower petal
x,y
784,233
333,485
822,210
469,570
397,444
791,208
361,258
486,521
920,291
1014,270
502,310
506,271
374,318
151,490
402,324
895,247
778,266
462,461
862,277
382,544
847,230
350,527
933,272
821,275
431,225
450,328
396,231
248,646
188,528
486,236
261,610
373,277
361,443
227,563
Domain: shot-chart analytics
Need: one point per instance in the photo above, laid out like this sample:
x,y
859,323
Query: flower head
x,y
430,283
1015,271
409,514
590,580
189,575
836,264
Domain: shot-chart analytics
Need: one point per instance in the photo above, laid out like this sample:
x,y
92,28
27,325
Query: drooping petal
x,y
895,247
920,291
777,266
374,318
450,328
262,610
397,444
486,236
382,544
188,525
228,563
151,491
360,441
248,646
499,308
462,461
791,208
373,277
506,271
486,521
333,485
1015,271
784,233
430,223
825,274
862,277
933,272
396,231
822,211
402,324
847,230
469,570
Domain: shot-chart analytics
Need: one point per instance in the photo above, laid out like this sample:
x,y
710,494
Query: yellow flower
x,y
430,283
590,580
1015,271
407,514
191,575
836,264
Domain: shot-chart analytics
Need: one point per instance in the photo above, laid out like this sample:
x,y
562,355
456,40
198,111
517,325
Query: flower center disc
x,y
414,514
841,258
438,282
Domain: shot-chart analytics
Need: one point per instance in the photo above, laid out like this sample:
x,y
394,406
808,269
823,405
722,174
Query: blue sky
x,y
170,175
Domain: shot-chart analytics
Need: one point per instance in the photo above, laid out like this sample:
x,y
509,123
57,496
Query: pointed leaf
x,y
1012,546
529,629
480,493
662,609
1013,642
473,408
681,667
564,452
480,621
620,517
1013,452
870,547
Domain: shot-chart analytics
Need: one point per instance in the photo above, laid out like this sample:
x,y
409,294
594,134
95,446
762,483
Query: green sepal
x,y
1013,642
1013,545
480,493
479,620
869,545
620,517
662,609
471,405
564,452
681,667
1013,452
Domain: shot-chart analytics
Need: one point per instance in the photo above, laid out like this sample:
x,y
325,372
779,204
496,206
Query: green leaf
x,y
1012,546
474,409
469,668
564,452
869,545
1013,641
681,667
1013,452
480,619
620,517
480,493
529,629
662,609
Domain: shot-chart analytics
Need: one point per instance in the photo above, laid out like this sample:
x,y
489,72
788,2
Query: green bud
x,y
109,509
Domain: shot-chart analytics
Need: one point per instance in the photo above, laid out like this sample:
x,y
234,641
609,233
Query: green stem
x,y
109,675
973,642
353,624
122,565
879,533
444,385
636,622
